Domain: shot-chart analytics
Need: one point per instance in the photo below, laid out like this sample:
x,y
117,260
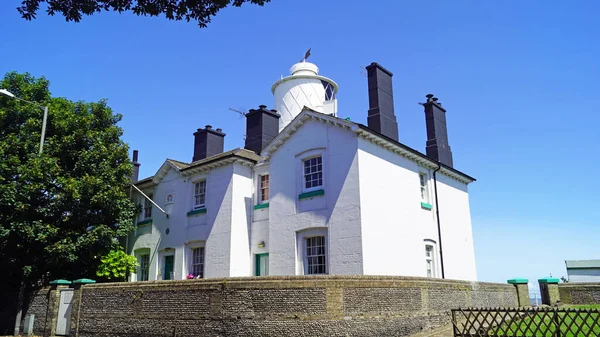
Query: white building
x,y
583,270
309,194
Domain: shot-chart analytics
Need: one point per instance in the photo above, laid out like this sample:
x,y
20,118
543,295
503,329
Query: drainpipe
x,y
437,216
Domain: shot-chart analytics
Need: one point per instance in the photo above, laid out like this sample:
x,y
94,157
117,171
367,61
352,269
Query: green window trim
x,y
425,205
259,206
145,222
197,211
311,194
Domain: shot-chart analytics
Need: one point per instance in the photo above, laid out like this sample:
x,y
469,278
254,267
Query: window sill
x,y
145,222
260,206
311,194
426,206
196,211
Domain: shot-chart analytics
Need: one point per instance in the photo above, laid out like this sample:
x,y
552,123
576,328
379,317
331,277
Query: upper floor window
x,y
329,90
148,207
144,267
200,194
424,191
315,256
313,173
264,188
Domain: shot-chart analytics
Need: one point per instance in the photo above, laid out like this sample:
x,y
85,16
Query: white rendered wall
x,y
241,210
394,225
338,210
457,233
584,275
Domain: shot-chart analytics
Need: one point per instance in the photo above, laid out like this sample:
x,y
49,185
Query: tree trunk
x,y
20,306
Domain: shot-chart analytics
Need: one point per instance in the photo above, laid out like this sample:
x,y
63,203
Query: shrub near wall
x,y
579,293
280,306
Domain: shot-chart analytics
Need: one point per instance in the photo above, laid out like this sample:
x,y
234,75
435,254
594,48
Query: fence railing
x,y
526,322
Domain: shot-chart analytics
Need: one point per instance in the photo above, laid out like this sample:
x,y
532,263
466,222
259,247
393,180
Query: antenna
x,y
306,55
364,73
238,111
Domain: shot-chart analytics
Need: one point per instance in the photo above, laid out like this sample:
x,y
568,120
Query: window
x,y
429,260
200,194
264,188
424,192
144,267
315,257
148,207
313,173
197,262
329,90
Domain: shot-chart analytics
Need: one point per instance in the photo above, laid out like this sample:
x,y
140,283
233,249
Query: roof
x,y
582,264
239,152
422,155
180,166
370,134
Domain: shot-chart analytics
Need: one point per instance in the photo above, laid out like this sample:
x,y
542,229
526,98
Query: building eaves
x,y
582,264
413,151
144,182
235,153
179,164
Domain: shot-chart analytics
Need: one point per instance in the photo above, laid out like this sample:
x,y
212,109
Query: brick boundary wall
x,y
579,293
278,306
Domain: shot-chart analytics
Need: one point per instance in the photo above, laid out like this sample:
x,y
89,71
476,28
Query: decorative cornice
x,y
419,159
305,116
219,163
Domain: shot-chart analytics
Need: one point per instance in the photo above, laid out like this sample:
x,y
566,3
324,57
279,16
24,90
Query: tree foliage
x,y
198,10
116,265
61,210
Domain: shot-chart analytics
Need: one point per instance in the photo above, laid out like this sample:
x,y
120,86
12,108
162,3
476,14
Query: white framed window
x,y
263,188
200,194
144,268
424,187
313,173
312,251
197,262
147,207
430,259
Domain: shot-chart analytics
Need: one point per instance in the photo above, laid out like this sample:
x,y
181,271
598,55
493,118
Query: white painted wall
x,y
338,210
457,233
393,223
241,219
584,275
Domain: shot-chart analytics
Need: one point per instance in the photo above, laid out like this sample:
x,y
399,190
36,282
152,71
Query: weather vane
x,y
306,55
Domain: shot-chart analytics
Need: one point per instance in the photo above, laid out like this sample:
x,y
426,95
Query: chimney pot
x,y
219,130
135,176
208,127
262,107
135,156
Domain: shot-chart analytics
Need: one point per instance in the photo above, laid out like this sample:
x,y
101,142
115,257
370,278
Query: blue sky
x,y
518,79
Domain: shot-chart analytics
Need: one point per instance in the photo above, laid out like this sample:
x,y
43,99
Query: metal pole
x,y
43,129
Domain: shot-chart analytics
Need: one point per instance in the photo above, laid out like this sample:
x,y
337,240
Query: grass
x,y
546,324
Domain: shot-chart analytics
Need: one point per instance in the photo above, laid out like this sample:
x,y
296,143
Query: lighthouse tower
x,y
304,87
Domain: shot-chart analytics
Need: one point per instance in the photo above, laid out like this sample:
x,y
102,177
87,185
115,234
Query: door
x,y
168,272
262,264
63,322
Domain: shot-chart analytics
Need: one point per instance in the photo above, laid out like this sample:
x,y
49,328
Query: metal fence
x,y
526,322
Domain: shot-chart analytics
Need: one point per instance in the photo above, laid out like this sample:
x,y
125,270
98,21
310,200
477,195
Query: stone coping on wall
x,y
311,281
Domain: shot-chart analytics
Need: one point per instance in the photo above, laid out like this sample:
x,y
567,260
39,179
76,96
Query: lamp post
x,y
44,120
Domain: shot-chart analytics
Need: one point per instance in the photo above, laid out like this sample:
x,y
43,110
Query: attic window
x,y
329,90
